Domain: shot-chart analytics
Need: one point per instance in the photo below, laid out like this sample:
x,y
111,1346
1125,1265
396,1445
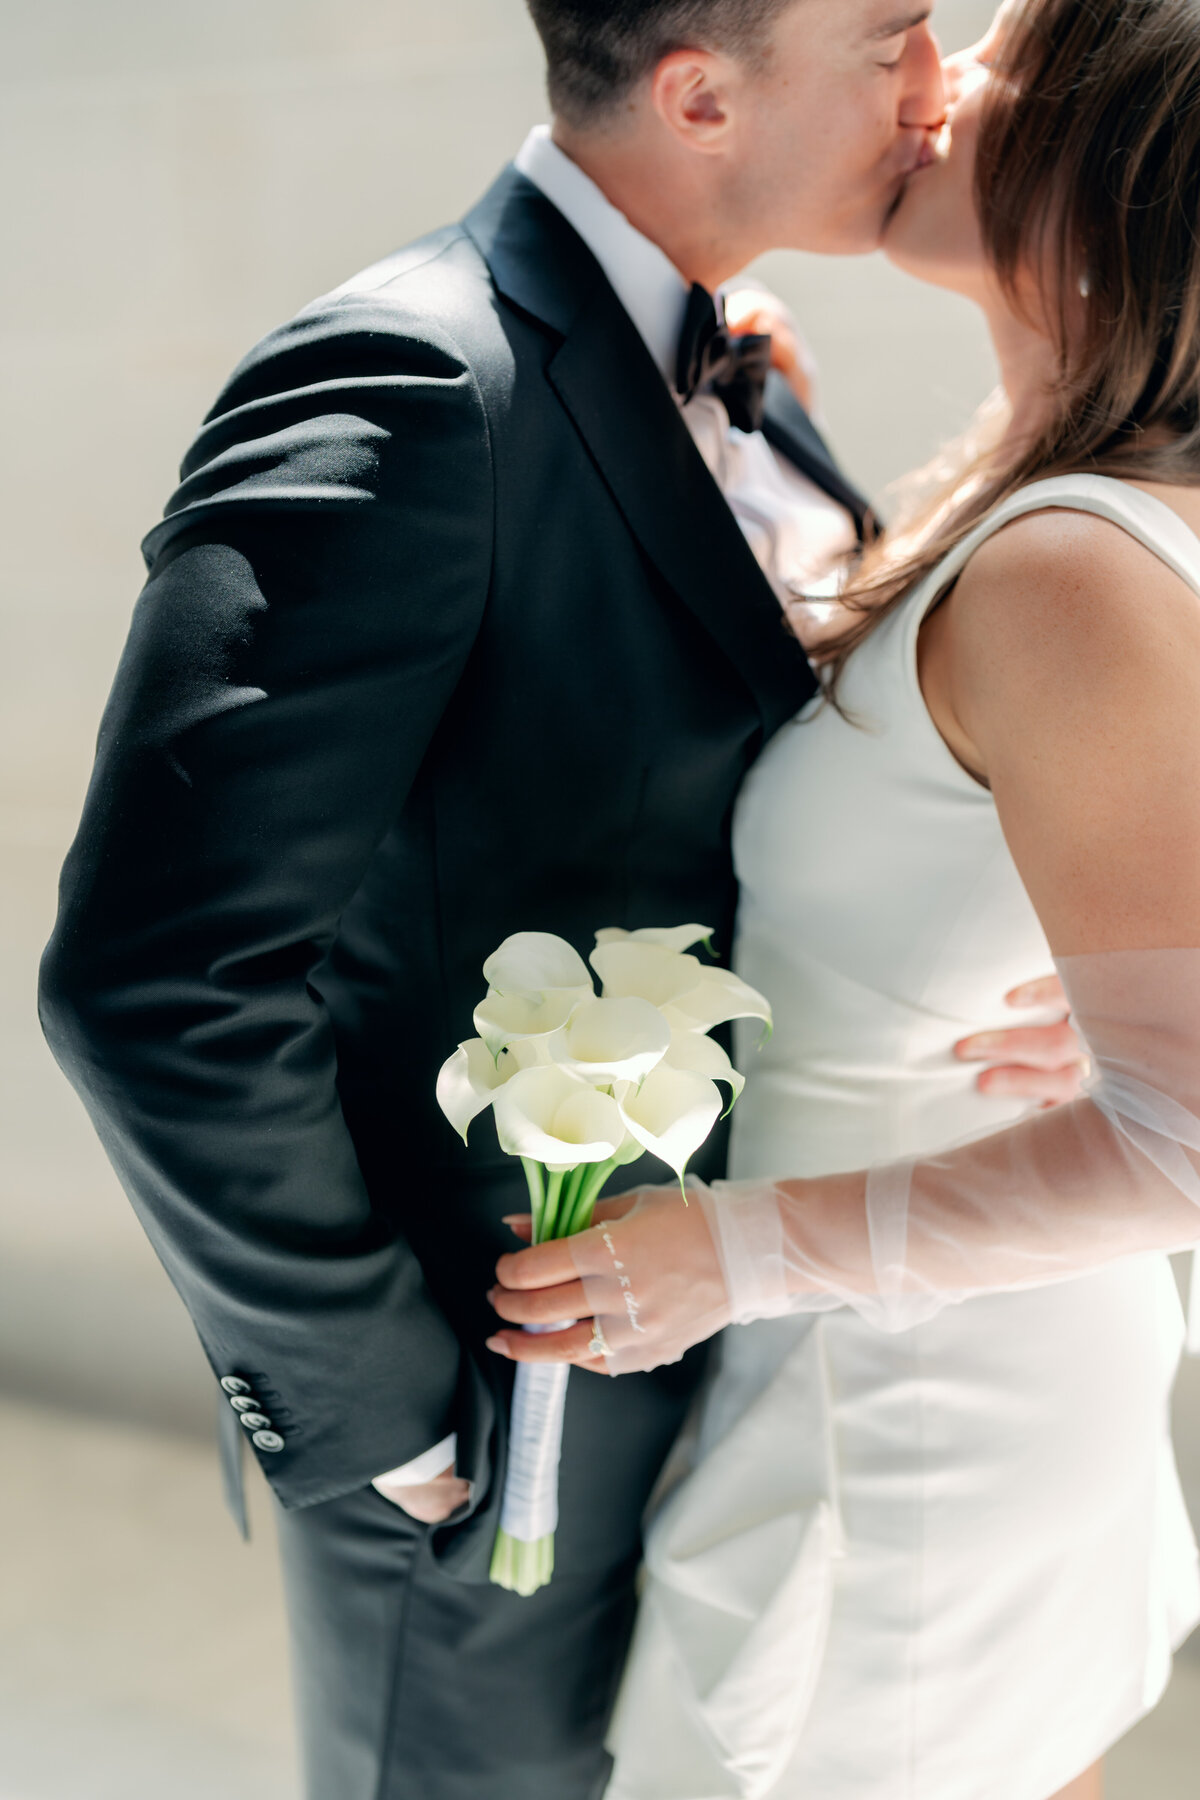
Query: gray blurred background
x,y
177,178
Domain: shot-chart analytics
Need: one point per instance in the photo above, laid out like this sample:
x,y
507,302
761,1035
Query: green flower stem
x,y
537,1194
519,1567
589,1192
553,1207
570,1194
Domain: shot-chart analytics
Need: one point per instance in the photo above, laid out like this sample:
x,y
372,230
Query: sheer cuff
x,y
1114,1174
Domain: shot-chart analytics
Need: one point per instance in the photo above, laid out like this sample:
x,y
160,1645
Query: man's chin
x,y
858,233
869,233
895,203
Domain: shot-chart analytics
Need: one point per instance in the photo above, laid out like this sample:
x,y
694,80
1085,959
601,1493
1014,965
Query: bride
x,y
928,1542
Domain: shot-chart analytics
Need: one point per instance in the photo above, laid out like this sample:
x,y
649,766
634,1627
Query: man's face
x,y
829,131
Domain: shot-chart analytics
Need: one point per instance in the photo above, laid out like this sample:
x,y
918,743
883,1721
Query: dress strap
x,y
1150,520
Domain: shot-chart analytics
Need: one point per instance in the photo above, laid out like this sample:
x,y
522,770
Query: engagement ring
x,y
599,1345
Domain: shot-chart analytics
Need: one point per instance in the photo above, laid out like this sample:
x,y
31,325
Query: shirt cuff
x,y
424,1468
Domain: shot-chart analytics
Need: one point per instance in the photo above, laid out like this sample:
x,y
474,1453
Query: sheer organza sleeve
x,y
1114,1174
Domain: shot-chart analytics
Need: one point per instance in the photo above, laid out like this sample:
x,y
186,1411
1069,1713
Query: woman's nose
x,y
952,78
960,72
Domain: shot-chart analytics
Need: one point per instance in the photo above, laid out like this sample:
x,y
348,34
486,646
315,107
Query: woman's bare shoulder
x,y
1071,655
1064,592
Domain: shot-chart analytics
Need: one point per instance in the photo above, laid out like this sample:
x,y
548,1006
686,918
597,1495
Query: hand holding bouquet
x,y
580,1085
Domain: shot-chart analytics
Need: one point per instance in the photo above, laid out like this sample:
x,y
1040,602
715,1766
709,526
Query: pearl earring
x,y
1085,286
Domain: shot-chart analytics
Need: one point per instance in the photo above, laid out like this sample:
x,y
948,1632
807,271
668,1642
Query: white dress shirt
x,y
796,531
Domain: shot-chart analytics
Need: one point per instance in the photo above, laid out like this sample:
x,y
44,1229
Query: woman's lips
x,y
929,156
926,157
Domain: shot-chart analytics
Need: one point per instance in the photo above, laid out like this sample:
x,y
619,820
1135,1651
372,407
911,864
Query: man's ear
x,y
691,90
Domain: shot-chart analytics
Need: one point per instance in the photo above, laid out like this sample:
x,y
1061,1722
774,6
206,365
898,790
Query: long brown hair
x,y
1088,173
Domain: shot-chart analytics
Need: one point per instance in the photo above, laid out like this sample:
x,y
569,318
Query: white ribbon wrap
x,y
529,1511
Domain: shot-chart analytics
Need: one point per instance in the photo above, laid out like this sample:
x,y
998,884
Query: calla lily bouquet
x,y
579,1085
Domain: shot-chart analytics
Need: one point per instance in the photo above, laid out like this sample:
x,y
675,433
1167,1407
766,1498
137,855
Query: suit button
x,y
243,1403
267,1440
253,1421
233,1384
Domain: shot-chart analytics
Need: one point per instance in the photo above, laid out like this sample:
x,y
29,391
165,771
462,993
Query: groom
x,y
464,620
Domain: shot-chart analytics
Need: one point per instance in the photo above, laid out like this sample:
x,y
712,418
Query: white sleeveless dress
x,y
949,1564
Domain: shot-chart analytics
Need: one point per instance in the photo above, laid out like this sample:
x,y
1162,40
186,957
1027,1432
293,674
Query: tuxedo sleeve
x,y
314,592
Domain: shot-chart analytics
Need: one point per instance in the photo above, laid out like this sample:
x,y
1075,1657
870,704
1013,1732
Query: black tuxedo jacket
x,y
448,633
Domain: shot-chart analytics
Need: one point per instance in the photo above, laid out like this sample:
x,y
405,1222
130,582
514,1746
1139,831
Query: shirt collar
x,y
645,280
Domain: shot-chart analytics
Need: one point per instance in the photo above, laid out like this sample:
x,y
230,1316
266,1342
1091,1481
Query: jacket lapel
x,y
789,429
608,382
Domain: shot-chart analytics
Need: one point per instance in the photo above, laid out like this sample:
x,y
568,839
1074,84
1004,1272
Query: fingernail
x,y
1022,997
985,1045
498,1345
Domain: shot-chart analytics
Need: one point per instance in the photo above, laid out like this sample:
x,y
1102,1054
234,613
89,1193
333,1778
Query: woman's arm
x,y
1066,665
1064,671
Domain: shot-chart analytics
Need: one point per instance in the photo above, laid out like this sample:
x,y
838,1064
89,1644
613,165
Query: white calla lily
x,y
676,938
692,995
536,962
470,1079
535,982
704,1056
467,1083
630,969
505,1019
671,1113
548,1116
717,997
611,1040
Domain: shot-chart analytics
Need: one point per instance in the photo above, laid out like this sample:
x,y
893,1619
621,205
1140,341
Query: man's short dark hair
x,y
598,50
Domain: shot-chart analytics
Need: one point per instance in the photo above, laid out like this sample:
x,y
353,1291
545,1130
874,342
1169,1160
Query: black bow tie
x,y
713,361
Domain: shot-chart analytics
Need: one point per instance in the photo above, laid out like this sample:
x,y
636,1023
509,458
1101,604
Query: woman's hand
x,y
755,309
1046,1063
645,1282
540,1286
